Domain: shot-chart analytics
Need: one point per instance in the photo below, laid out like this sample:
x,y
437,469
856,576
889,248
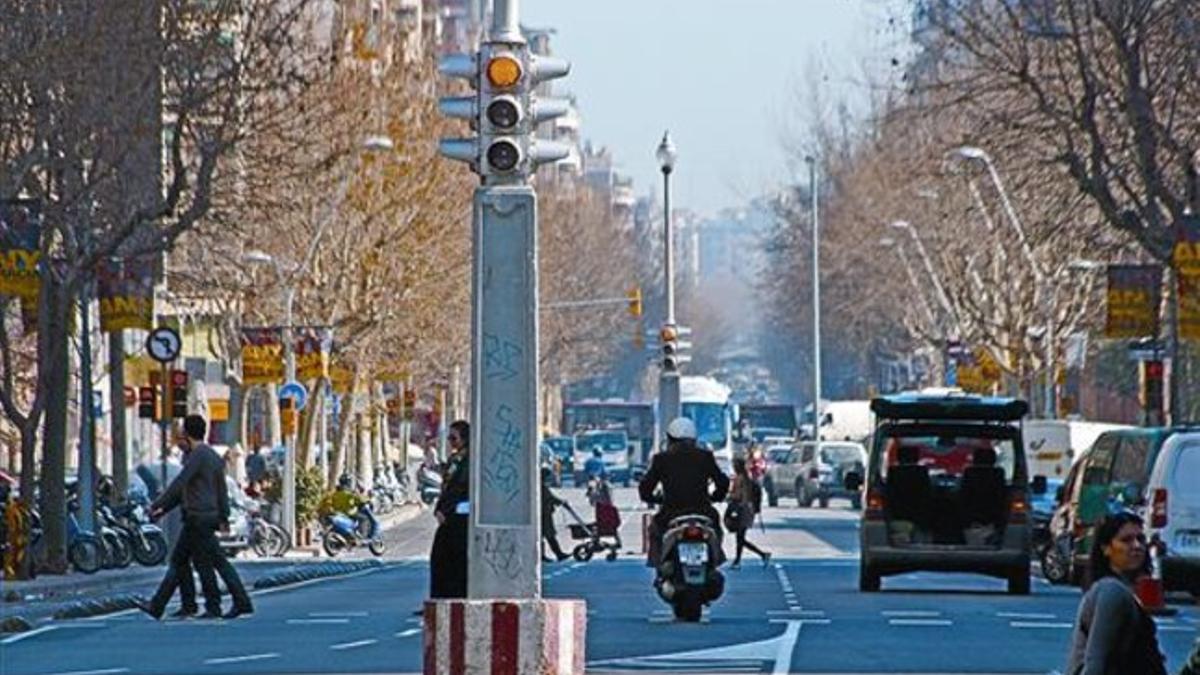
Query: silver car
x,y
947,490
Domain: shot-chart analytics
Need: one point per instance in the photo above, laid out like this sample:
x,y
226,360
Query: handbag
x,y
733,516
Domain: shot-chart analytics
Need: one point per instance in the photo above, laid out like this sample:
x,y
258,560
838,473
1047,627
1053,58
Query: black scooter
x,y
688,578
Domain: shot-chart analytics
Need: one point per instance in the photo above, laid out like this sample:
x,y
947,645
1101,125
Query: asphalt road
x,y
801,613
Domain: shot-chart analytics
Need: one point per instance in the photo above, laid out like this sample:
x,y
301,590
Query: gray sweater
x,y
200,487
1104,627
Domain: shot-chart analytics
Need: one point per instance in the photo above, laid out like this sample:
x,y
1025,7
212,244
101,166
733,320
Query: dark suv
x,y
947,489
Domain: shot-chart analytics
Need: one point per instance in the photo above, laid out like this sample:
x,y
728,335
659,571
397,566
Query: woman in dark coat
x,y
448,558
550,502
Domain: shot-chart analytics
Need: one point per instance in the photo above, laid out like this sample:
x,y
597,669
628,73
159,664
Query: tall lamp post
x,y
972,153
816,276
289,277
668,384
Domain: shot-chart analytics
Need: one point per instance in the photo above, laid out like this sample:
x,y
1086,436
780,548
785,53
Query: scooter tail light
x,y
1158,508
693,532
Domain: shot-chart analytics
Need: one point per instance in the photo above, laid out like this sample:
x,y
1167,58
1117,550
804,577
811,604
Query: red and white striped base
x,y
504,637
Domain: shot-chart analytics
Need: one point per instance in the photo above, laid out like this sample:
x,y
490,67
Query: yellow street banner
x,y
262,356
218,410
341,378
1133,296
312,352
1186,260
126,290
20,248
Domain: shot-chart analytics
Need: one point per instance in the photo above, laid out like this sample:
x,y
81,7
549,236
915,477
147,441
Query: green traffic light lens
x,y
503,113
503,155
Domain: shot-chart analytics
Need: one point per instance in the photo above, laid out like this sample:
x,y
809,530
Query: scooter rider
x,y
684,470
346,501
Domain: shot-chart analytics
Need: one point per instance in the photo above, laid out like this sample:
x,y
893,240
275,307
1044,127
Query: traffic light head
x,y
179,397
670,348
635,302
147,400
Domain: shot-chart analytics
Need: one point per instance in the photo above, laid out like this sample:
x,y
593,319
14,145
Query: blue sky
x,y
731,79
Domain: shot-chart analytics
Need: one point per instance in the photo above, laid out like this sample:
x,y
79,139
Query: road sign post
x,y
163,345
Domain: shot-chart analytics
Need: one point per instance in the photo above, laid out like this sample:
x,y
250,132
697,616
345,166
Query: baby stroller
x,y
603,534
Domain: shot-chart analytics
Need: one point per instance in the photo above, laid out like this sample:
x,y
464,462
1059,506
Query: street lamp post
x,y
972,153
816,282
372,144
668,385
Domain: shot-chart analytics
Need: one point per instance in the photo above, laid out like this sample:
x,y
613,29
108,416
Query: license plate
x,y
1188,541
691,553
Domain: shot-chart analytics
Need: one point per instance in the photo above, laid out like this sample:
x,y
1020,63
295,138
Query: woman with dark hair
x,y
1113,634
448,558
739,515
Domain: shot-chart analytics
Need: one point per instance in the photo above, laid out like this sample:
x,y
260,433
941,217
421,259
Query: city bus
x,y
636,419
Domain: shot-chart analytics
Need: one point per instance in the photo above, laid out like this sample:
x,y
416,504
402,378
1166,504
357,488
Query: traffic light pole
x,y
669,404
505,532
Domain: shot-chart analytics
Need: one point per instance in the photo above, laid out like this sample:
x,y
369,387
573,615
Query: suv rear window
x,y
1185,481
949,455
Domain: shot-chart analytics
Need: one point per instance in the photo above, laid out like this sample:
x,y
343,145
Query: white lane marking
x,y
815,622
102,671
1162,619
912,612
318,622
335,615
27,634
352,645
408,633
787,645
1177,629
240,659
920,622
1024,615
1039,624
814,613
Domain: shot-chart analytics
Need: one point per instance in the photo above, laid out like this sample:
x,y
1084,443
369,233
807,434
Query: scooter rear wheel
x,y
688,611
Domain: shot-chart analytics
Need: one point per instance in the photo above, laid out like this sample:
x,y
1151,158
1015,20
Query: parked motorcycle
x,y
1052,551
688,578
85,550
429,484
147,542
340,532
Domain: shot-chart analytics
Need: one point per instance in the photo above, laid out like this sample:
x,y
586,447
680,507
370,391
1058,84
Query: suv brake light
x,y
876,503
1158,508
1018,508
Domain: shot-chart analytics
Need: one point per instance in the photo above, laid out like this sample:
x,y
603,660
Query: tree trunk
x,y
274,424
341,443
53,347
29,439
308,427
362,459
120,436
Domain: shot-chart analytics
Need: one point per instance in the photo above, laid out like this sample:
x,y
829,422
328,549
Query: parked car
x,y
947,489
1112,475
812,471
1173,511
614,450
564,449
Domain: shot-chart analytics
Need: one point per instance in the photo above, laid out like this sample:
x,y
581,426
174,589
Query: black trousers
x,y
743,543
448,559
198,546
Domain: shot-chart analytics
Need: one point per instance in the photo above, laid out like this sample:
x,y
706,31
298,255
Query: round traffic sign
x,y
295,391
163,344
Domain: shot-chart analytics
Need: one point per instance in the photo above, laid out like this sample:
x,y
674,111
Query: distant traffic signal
x,y
635,302
179,397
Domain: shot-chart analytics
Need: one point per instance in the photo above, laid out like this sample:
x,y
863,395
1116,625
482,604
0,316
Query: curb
x,y
309,572
116,603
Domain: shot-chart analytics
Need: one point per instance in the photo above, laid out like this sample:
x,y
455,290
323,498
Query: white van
x,y
1173,510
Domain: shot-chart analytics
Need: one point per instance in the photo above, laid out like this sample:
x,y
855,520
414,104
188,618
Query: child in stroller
x,y
604,532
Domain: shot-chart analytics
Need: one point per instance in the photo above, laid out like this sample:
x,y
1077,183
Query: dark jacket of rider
x,y
684,471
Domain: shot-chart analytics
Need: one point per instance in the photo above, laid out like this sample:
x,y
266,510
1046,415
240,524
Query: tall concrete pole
x,y
669,398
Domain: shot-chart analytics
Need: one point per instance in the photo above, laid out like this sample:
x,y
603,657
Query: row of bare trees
x,y
1033,142
207,131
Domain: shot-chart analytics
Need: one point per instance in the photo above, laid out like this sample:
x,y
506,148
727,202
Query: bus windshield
x,y
710,422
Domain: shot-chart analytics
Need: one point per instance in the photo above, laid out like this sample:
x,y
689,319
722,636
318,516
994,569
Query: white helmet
x,y
681,428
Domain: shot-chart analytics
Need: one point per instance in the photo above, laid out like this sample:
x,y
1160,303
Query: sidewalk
x,y
41,597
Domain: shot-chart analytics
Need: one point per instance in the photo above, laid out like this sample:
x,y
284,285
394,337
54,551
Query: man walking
x,y
201,492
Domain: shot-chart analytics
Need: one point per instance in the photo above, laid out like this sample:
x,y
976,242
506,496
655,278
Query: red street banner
x,y
262,356
313,345
126,290
1186,260
20,248
1134,294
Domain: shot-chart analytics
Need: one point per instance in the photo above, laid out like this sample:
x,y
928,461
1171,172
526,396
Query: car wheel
x,y
803,499
824,502
1019,582
868,580
772,498
856,502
